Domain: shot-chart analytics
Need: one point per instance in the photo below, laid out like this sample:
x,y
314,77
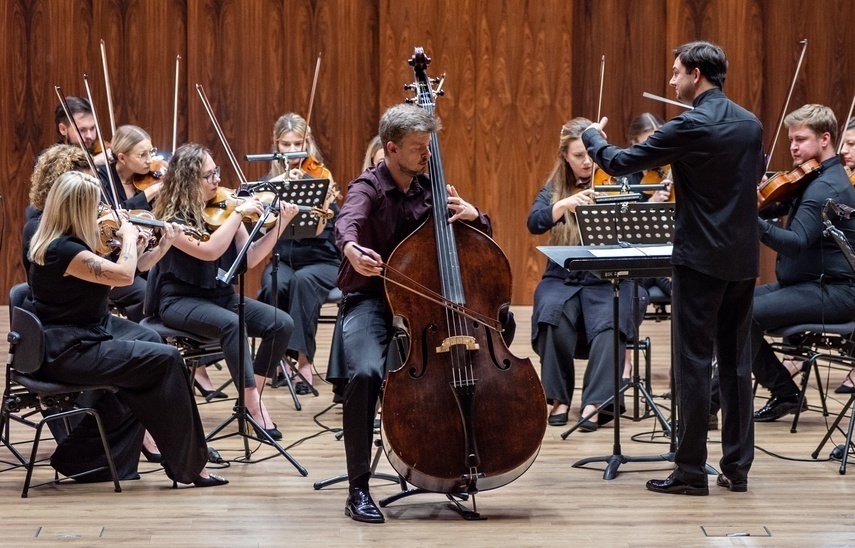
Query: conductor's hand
x,y
599,126
364,260
459,208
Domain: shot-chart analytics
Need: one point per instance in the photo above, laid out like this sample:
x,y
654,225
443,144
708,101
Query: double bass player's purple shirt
x,y
377,215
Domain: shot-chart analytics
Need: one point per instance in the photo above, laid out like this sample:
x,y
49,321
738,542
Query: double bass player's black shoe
x,y
361,507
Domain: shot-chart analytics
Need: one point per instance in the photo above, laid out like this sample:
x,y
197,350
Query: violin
x,y
784,185
224,203
157,170
656,175
108,226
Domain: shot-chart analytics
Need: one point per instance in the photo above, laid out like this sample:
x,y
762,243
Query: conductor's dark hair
x,y
706,57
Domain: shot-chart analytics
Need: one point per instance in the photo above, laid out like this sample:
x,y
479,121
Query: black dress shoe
x,y
673,486
589,426
558,419
740,486
360,507
301,388
274,433
778,407
151,456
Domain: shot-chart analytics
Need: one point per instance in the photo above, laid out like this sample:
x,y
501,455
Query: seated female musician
x,y
847,153
52,164
189,295
573,310
374,153
69,284
132,154
638,131
307,266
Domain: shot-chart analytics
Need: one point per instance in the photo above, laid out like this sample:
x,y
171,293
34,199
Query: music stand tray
x,y
305,192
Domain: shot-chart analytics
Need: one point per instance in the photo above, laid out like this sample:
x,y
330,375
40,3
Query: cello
x,y
462,414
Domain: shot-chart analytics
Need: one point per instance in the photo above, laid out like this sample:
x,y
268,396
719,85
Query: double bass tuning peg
x,y
410,87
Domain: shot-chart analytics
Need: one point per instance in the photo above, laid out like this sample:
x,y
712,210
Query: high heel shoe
x,y
274,433
208,393
211,481
151,457
844,388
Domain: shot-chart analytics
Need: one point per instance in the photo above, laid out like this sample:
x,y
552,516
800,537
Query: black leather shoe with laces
x,y
360,507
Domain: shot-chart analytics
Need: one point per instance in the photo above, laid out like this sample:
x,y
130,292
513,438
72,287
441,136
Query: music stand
x,y
240,412
623,225
302,192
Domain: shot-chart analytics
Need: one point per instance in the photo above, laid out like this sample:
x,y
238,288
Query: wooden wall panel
x,y
516,70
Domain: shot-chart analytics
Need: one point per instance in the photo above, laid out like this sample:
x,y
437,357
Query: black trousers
x,y
153,383
712,317
776,306
218,319
557,347
367,331
300,292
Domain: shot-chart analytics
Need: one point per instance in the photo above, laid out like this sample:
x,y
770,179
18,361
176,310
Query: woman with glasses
x,y
132,154
307,266
189,295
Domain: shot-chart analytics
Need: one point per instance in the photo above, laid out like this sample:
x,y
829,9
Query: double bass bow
x,y
462,414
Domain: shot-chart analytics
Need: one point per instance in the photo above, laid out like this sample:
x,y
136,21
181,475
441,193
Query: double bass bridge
x,y
463,340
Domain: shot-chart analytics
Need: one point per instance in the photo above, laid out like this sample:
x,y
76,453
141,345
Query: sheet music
x,y
658,250
617,252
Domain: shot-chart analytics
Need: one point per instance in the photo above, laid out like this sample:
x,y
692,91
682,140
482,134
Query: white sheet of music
x,y
658,251
617,252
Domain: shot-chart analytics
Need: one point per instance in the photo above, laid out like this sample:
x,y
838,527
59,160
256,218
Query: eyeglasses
x,y
147,155
210,176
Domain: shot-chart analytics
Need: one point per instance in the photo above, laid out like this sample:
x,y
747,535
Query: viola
x,y
462,414
108,225
785,184
155,174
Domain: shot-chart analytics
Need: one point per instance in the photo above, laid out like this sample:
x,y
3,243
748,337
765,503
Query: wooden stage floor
x,y
799,501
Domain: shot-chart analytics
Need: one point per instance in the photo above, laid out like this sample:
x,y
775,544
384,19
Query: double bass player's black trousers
x,y
367,333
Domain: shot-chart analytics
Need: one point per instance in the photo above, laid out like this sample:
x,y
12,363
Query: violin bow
x,y
787,103
218,129
73,123
845,123
101,140
109,94
175,107
602,78
311,102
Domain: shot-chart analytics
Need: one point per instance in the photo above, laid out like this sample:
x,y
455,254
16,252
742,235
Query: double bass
x,y
462,414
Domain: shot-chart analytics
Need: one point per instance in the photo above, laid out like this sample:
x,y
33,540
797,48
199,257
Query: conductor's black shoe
x,y
740,486
777,407
361,507
673,486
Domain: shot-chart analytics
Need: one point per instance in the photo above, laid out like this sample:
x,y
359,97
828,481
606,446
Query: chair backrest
x,y
17,296
27,341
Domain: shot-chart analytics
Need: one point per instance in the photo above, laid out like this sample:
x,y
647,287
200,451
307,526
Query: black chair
x,y
24,390
334,297
832,343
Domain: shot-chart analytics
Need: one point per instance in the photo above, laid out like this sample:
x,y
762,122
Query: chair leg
x,y
107,452
845,456
802,394
820,388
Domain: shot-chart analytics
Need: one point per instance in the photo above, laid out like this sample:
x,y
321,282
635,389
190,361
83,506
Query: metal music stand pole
x,y
240,412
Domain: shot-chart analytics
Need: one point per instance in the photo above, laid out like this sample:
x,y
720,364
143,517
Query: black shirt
x,y
137,201
716,157
803,253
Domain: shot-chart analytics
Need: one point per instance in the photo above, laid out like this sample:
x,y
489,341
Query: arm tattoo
x,y
95,266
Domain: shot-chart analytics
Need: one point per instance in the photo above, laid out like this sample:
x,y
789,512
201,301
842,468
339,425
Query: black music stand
x,y
620,224
302,192
240,412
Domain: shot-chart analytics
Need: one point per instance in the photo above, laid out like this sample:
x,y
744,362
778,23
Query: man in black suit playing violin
x,y
716,154
815,282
